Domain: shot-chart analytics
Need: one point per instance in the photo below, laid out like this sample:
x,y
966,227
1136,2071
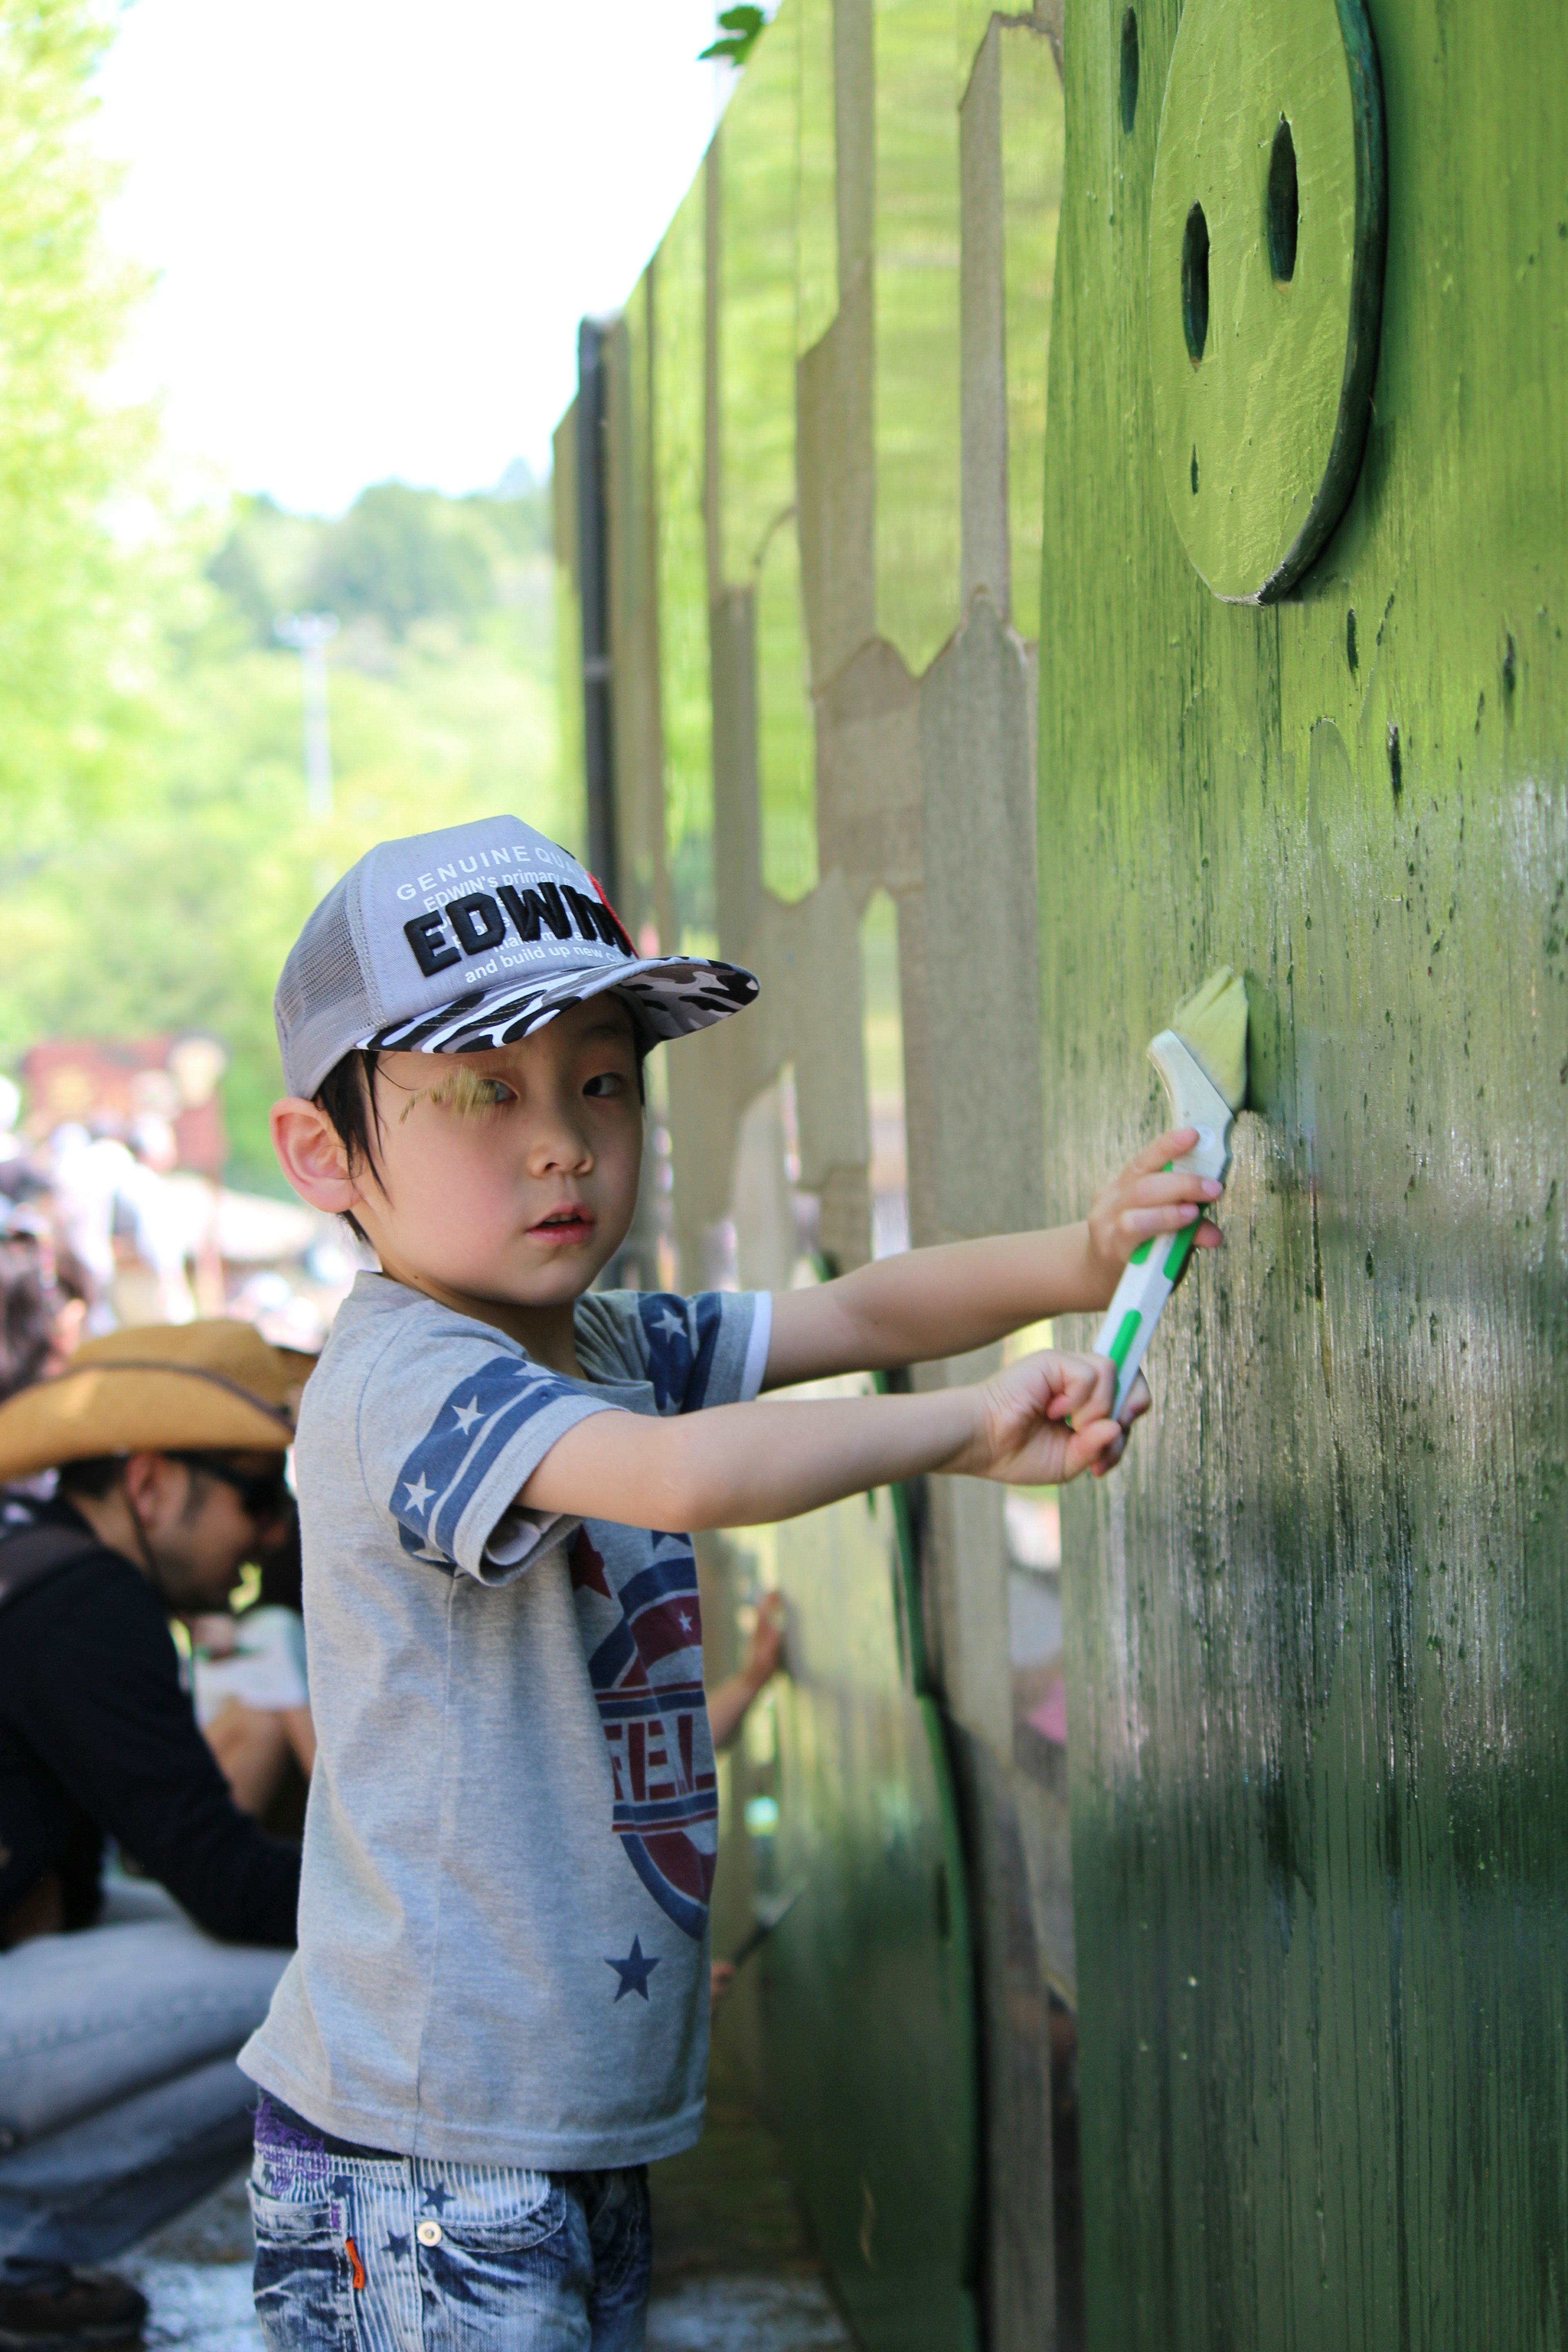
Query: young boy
x,y
498,2012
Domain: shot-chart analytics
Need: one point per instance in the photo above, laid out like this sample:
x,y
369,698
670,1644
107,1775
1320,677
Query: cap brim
x,y
133,1408
671,996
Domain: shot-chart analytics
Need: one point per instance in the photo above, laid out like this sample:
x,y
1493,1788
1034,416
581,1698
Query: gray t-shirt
x,y
509,1843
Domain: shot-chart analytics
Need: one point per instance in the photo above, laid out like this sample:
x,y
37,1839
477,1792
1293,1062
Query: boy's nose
x,y
559,1141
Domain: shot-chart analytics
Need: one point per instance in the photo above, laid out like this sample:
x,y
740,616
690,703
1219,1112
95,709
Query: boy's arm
x,y
946,1301
744,1464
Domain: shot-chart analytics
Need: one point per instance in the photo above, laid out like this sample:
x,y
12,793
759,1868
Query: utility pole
x,y
310,634
599,671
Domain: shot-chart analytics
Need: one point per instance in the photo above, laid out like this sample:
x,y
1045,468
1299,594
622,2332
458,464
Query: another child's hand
x,y
1046,1418
765,1655
1147,1196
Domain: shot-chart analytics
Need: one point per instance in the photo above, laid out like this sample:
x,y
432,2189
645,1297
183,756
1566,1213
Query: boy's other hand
x,y
1149,1196
1046,1418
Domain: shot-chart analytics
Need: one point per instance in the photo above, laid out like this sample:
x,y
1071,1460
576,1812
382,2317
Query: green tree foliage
x,y
398,557
73,661
744,27
155,856
178,913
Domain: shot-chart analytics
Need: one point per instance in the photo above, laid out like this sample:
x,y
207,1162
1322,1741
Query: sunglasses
x,y
263,1494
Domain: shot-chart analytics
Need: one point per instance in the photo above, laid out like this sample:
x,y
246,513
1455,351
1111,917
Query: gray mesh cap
x,y
471,937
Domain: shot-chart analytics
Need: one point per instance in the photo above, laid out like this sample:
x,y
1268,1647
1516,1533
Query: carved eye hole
x,y
1129,69
1283,210
1196,283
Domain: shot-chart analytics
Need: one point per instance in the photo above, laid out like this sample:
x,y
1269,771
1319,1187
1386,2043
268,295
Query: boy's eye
x,y
464,1091
606,1085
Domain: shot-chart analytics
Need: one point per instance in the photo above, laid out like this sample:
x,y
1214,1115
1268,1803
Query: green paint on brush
x,y
1212,1024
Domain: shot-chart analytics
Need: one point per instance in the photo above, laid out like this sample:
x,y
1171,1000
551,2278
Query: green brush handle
x,y
1147,1279
1155,1266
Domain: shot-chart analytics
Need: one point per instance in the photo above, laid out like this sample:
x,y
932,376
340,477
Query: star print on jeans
x,y
396,2246
634,1972
436,2194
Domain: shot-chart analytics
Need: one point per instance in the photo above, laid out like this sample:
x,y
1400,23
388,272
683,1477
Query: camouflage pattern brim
x,y
669,996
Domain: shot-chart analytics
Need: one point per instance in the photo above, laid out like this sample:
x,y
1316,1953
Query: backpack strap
x,y
35,1553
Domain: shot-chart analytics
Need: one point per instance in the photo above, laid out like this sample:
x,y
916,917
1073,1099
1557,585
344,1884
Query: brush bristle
x,y
1212,1024
458,1088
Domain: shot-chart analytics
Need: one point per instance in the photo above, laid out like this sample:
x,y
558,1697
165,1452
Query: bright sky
x,y
377,223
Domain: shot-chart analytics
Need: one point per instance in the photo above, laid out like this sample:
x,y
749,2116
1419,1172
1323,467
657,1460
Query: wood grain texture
x,y
1317,1627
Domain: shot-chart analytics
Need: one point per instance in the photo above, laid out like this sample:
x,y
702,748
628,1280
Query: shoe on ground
x,y
85,2307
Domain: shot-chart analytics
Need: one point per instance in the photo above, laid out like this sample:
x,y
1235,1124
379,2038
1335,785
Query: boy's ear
x,y
311,1156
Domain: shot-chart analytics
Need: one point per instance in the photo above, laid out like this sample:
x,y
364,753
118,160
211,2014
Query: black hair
x,y
95,1475
282,1570
347,1096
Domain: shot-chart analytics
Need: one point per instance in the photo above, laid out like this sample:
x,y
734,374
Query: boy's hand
x,y
1147,1196
1024,1437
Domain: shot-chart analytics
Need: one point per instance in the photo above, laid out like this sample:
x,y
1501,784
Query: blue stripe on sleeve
x,y
707,1309
479,1417
667,1336
682,1336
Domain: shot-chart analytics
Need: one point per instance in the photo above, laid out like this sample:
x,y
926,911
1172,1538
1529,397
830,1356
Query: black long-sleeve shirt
x,y
97,1738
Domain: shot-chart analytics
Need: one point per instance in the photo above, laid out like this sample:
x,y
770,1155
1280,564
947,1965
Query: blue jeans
x,y
367,2253
119,2100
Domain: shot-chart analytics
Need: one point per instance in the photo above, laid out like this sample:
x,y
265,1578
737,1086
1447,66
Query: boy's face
x,y
521,1197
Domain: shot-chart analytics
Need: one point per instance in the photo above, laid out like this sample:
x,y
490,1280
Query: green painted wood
x,y
868,1984
1266,246
1318,1625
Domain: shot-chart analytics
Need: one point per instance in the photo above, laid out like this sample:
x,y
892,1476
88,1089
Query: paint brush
x,y
1201,1062
765,1918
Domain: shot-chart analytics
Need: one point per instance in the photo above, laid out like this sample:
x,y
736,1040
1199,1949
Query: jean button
x,y
428,2233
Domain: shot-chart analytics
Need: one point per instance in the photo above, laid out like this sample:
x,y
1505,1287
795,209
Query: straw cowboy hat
x,y
216,1386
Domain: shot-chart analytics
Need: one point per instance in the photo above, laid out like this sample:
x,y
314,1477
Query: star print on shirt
x,y
634,1972
669,1323
436,2194
419,1494
467,1414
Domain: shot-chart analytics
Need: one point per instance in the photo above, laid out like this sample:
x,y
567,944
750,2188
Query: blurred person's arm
x,y
301,1727
103,1707
253,1746
728,1705
251,1698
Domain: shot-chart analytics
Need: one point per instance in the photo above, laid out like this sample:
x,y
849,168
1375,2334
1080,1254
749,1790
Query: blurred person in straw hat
x,y
122,2001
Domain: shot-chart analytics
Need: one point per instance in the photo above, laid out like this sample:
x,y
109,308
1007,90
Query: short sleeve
x,y
694,1352
449,1470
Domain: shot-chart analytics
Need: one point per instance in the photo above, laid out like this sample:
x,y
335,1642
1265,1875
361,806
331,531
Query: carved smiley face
x,y
1265,248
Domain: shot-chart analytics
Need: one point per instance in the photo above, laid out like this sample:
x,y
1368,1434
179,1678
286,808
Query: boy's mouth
x,y
564,1226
